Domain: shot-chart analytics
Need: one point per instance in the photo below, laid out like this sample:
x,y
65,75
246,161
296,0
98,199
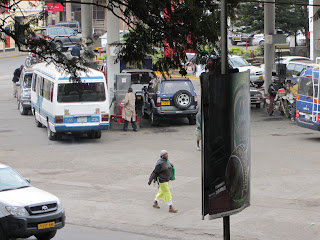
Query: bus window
x,y
84,92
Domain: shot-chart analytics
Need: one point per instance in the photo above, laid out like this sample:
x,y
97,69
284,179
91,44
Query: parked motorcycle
x,y
279,102
31,59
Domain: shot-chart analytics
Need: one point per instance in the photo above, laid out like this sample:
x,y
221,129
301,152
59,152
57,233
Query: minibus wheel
x,y
38,124
98,134
51,135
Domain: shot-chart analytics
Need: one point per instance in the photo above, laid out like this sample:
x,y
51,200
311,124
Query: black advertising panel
x,y
226,143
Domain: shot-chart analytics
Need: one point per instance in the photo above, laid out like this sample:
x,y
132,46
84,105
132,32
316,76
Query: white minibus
x,y
64,106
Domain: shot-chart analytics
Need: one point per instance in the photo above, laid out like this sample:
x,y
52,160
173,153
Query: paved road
x,y
103,183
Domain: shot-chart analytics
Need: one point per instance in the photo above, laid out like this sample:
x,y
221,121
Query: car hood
x,y
26,196
251,68
254,90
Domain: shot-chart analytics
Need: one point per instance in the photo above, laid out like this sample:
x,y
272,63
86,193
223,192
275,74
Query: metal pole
x,y
224,70
4,42
269,29
86,22
224,39
226,228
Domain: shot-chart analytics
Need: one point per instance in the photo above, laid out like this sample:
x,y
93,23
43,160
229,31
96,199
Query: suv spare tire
x,y
182,99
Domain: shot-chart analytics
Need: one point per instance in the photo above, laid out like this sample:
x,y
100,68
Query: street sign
x,y
226,143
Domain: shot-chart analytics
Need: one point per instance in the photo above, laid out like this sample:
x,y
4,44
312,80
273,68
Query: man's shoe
x,y
172,210
156,206
135,130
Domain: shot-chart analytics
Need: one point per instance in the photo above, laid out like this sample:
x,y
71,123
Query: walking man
x,y
162,173
198,121
129,110
15,79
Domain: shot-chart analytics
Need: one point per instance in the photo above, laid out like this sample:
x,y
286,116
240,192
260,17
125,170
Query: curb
x,y
12,56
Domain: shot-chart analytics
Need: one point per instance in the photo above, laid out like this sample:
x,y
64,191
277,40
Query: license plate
x,y
307,117
237,38
165,102
261,77
82,119
46,225
138,97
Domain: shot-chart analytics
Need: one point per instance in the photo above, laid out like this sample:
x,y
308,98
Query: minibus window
x,y
84,92
306,87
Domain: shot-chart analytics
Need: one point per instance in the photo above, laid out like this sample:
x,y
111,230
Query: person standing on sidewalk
x,y
198,121
129,110
162,173
15,79
75,51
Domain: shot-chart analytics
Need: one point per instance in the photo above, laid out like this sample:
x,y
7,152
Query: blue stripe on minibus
x,y
96,77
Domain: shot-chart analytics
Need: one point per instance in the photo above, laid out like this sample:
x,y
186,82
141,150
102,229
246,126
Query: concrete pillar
x,y
86,22
314,30
68,11
269,29
113,36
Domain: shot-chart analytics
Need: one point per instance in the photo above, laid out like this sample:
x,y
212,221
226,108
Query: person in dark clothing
x,y
273,90
75,51
162,173
15,79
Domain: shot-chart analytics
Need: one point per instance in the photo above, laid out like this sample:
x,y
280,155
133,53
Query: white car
x,y
256,73
258,39
25,210
104,38
287,59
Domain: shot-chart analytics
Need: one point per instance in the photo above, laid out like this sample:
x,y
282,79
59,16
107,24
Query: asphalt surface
x,y
103,183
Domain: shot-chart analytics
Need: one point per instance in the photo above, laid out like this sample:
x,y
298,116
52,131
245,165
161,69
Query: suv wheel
x,y
192,120
182,99
46,236
59,46
154,119
144,114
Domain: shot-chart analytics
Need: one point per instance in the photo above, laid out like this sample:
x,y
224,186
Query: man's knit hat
x,y
163,152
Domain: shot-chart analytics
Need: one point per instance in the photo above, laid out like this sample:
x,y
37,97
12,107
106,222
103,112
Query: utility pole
x,y
68,11
269,29
113,25
86,23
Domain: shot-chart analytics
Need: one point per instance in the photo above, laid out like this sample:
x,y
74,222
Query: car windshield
x,y
69,31
27,80
306,87
141,77
10,180
172,87
84,92
238,62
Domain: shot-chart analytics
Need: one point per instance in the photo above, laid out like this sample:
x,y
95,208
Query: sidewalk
x,y
12,53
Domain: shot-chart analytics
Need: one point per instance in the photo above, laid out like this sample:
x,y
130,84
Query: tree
x,y
155,25
289,16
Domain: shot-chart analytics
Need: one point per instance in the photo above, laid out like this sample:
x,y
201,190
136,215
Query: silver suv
x,y
63,37
23,91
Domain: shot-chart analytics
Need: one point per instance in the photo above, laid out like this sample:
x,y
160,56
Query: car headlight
x,y
59,205
25,94
17,211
